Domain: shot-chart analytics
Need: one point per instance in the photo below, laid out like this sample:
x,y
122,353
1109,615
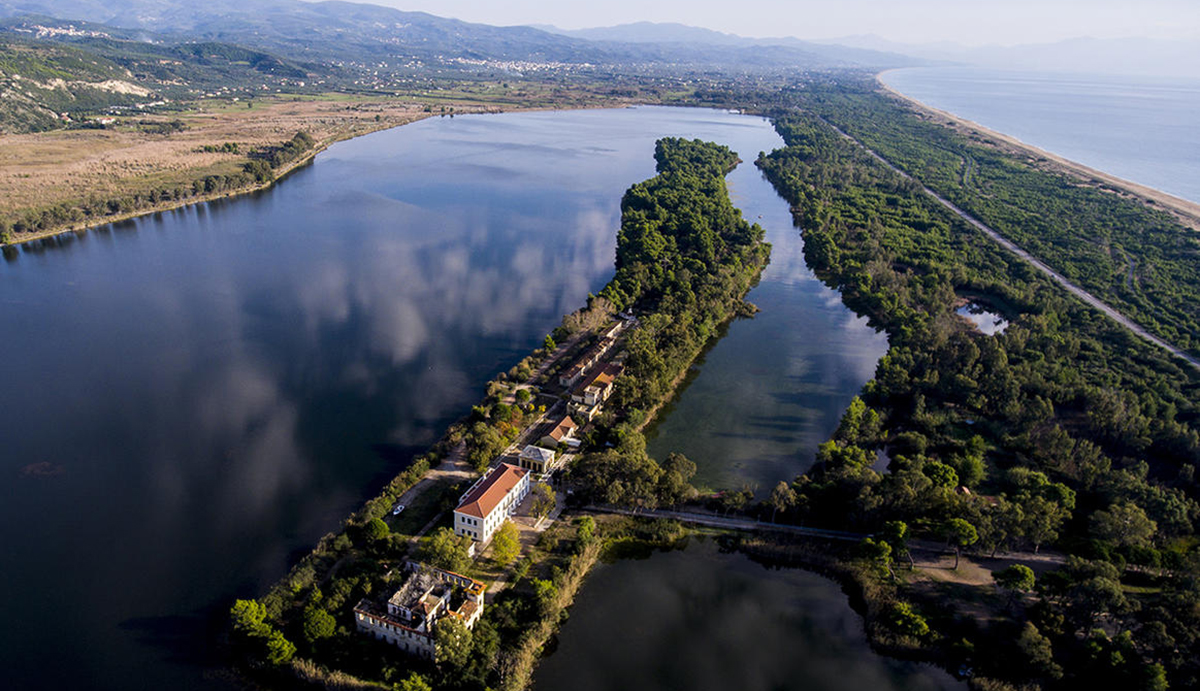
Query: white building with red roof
x,y
491,500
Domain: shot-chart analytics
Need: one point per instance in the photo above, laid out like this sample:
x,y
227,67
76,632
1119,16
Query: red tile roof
x,y
602,376
562,429
487,495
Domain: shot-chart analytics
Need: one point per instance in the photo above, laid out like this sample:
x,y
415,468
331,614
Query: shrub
x,y
901,618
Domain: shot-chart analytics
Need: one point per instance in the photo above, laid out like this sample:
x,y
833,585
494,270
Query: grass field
x,y
42,169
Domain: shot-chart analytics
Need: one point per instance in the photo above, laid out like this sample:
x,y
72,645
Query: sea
x,y
1141,129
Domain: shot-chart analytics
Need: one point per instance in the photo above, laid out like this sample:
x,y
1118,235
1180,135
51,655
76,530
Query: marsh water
x,y
983,319
193,398
706,620
764,396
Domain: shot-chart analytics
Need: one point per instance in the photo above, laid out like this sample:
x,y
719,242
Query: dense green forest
x,y
685,260
1138,259
1064,430
686,257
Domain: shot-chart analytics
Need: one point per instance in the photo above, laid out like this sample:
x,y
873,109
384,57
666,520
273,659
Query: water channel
x,y
194,398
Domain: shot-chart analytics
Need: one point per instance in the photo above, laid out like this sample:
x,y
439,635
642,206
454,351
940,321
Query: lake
x,y
1143,130
195,397
767,394
703,620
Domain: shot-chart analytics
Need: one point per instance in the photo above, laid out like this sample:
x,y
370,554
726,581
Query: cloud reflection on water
x,y
222,384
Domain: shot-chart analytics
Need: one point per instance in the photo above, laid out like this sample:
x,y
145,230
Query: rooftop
x,y
602,376
537,453
409,595
563,428
485,496
591,354
376,611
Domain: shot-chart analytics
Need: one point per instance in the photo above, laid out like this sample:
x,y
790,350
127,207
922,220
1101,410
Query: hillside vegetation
x,y
39,82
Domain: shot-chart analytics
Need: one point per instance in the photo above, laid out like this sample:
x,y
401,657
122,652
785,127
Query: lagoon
x,y
705,619
193,398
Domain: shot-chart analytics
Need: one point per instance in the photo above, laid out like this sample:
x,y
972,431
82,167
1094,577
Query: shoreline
x,y
1185,211
280,175
527,653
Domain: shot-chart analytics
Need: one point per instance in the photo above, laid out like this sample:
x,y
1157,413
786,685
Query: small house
x,y
563,432
536,458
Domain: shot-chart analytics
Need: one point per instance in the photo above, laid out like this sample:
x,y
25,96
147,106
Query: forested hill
x,y
45,84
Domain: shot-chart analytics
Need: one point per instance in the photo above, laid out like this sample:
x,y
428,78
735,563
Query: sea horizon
x,y
1089,119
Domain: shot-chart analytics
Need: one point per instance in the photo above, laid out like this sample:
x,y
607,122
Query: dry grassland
x,y
42,169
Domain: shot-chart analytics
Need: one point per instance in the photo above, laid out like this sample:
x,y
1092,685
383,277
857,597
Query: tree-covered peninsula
x,y
685,260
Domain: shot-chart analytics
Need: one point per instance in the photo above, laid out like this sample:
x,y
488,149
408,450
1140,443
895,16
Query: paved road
x,y
1043,560
730,523
1051,273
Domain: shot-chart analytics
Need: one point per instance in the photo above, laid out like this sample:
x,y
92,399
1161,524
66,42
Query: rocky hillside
x,y
42,86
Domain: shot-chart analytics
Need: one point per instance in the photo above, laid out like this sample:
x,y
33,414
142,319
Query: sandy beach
x,y
1187,212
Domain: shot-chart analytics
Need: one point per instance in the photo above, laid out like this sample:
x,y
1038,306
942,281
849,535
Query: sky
x,y
969,22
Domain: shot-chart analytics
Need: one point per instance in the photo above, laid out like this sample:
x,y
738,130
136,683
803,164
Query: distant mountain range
x,y
344,31
1129,56
682,34
1111,56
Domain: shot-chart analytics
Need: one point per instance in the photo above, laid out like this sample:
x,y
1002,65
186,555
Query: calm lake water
x,y
1140,129
703,620
768,393
194,398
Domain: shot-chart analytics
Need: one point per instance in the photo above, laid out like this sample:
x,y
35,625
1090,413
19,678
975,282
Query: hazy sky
x,y
972,22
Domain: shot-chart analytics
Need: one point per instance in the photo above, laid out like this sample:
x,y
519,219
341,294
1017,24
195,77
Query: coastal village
x,y
577,393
